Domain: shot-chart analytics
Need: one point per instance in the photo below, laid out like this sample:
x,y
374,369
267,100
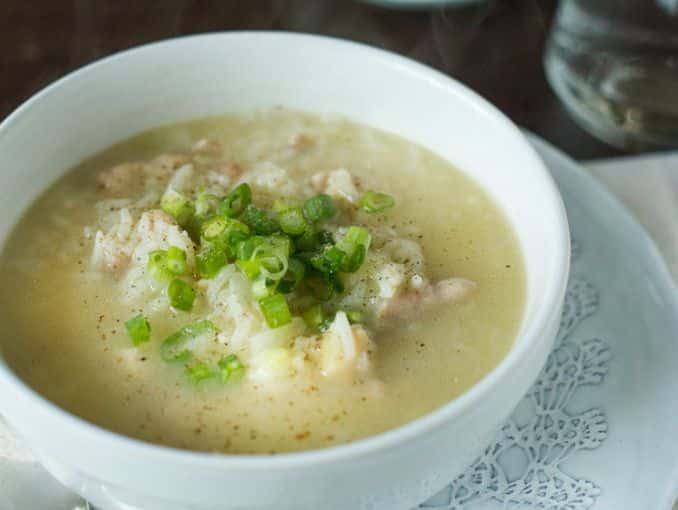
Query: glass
x,y
614,64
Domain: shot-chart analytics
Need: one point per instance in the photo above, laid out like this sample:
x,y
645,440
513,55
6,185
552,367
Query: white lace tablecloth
x,y
647,185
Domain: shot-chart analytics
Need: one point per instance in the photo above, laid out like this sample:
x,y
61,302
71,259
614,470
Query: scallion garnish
x,y
375,201
236,201
138,329
231,368
294,275
209,261
198,372
157,266
181,294
174,347
275,310
259,221
176,260
285,203
329,261
292,221
206,205
354,243
319,208
178,206
250,268
355,316
313,317
322,287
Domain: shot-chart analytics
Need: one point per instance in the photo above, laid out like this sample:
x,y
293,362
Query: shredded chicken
x,y
300,142
345,348
122,177
271,178
165,164
411,302
208,146
130,178
339,184
231,169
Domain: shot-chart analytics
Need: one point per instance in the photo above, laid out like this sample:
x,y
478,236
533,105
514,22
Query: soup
x,y
259,284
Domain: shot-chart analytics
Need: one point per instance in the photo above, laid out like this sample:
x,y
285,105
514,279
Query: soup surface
x,y
430,303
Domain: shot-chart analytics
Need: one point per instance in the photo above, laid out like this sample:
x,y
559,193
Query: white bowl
x,y
198,76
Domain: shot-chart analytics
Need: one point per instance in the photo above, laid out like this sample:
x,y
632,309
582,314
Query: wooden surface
x,y
495,48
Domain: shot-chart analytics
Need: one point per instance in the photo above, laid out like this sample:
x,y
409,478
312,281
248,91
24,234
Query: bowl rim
x,y
543,316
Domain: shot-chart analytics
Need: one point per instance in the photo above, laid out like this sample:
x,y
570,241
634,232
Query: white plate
x,y
599,430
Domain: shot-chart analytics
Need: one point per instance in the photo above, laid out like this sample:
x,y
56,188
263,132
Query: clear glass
x,y
614,64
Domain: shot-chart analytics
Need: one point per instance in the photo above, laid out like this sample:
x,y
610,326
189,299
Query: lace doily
x,y
522,468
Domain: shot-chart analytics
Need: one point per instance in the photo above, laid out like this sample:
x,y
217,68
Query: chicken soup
x,y
259,284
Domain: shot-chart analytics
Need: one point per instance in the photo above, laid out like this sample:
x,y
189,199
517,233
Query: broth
x,y
64,328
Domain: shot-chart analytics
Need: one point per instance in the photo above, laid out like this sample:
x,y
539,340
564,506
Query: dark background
x,y
495,48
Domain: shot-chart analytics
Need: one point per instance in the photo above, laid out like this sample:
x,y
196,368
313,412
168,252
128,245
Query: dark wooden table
x,y
495,48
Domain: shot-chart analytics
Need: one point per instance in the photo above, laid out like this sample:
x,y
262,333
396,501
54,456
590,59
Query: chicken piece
x,y
270,178
164,165
130,178
345,349
231,169
125,177
208,146
300,142
339,184
181,179
411,302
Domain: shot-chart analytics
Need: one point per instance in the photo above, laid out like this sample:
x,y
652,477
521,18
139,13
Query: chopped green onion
x,y
176,260
355,243
250,268
209,261
311,240
283,204
355,316
292,222
313,317
263,287
323,286
375,201
181,294
325,237
308,241
319,208
244,249
225,232
138,329
275,310
157,266
272,253
173,347
236,201
294,275
259,221
214,228
329,261
178,206
231,368
206,205
199,372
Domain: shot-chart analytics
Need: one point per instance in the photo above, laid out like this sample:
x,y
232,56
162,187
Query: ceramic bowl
x,y
179,79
